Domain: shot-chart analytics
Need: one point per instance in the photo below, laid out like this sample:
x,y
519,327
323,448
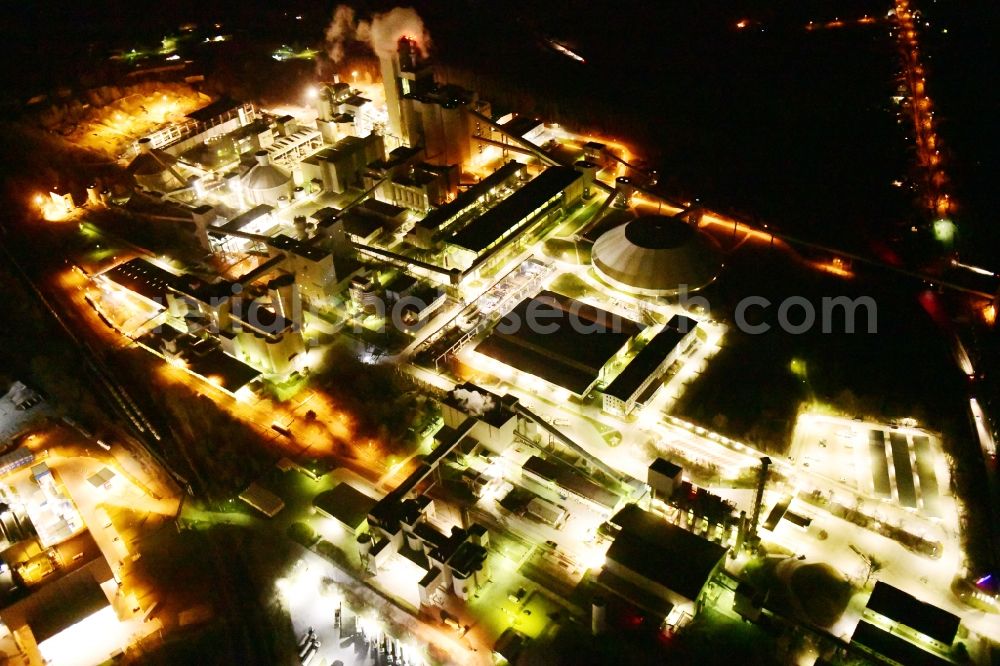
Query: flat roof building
x,y
902,613
892,648
555,474
262,499
563,341
425,231
660,558
521,207
652,361
347,505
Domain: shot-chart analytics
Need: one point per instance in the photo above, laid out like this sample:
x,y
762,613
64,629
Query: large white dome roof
x,y
657,255
264,176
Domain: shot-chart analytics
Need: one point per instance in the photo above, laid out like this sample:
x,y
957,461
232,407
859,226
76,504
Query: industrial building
x,y
656,255
342,165
495,419
245,329
156,170
62,619
404,180
659,567
637,382
170,221
554,477
422,113
903,629
575,350
347,505
515,216
266,184
427,232
400,523
663,478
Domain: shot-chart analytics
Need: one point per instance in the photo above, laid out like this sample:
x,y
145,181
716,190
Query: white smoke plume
x,y
381,33
474,402
342,27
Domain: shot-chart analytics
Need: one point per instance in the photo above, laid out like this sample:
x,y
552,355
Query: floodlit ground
x,y
900,465
115,118
314,588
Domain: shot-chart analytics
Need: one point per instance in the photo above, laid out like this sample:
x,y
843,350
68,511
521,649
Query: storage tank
x,y
265,183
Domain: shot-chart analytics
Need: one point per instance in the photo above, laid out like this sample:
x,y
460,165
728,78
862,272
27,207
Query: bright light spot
x,y
989,314
311,92
944,230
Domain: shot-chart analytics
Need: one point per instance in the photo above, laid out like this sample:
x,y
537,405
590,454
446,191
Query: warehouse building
x,y
638,381
657,566
572,348
531,205
905,630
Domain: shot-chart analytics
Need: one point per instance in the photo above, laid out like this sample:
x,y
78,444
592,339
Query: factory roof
x,y
512,211
356,101
383,209
358,223
300,248
671,556
578,340
346,504
66,602
665,467
244,219
437,217
462,555
259,317
396,158
892,646
151,163
214,109
144,278
325,216
649,359
213,364
657,254
570,479
904,608
262,499
401,283
157,208
102,477
521,125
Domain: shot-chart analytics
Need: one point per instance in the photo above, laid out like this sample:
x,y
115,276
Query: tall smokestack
x,y
765,462
741,535
389,66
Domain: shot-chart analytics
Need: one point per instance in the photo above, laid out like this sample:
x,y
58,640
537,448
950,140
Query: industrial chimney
x,y
765,462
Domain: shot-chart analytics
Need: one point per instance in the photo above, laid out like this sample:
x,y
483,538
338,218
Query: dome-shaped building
x,y
265,183
155,170
656,255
